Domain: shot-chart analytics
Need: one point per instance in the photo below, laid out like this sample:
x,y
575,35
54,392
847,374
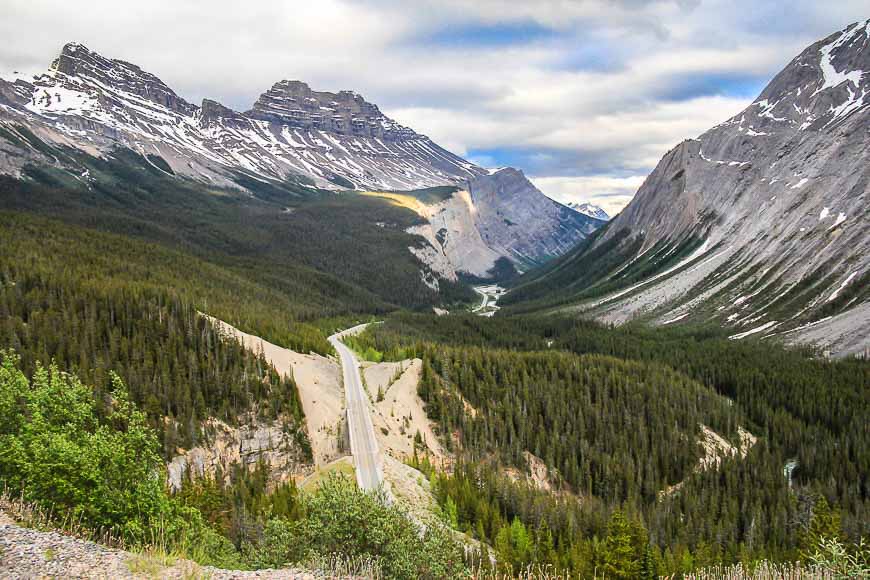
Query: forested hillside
x,y
288,236
96,303
615,415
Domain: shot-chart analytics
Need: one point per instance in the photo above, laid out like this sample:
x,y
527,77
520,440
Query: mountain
x,y
759,224
335,140
292,137
498,223
591,210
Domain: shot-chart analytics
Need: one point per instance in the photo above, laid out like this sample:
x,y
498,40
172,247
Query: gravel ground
x,y
26,553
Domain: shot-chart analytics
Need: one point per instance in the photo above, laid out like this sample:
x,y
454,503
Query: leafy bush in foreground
x,y
342,519
96,466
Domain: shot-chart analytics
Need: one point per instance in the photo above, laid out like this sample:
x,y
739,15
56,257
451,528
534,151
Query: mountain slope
x,y
760,223
591,210
495,225
294,144
333,140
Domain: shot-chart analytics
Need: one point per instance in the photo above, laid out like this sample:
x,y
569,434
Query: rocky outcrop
x,y
294,104
454,242
496,225
248,445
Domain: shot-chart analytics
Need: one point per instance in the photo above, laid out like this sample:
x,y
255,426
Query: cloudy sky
x,y
583,95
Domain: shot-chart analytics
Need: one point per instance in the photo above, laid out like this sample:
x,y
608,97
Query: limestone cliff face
x,y
245,446
498,216
761,222
518,221
454,242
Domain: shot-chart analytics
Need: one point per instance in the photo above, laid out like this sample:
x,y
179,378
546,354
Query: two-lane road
x,y
363,445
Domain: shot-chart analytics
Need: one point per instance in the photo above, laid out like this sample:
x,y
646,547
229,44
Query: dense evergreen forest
x,y
96,303
614,413
288,236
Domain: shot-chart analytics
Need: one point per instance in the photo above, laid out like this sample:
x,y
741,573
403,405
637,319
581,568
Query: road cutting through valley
x,y
367,458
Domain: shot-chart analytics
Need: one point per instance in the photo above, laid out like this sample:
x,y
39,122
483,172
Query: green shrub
x,y
102,467
341,519
93,462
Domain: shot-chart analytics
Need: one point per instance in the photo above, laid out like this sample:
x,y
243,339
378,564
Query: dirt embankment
x,y
398,412
318,380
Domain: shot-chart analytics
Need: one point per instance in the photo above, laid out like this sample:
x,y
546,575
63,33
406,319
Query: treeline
x,y
532,382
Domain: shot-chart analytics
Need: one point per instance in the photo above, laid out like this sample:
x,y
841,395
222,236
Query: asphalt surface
x,y
489,297
367,458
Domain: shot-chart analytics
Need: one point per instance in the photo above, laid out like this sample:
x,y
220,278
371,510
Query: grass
x,y
341,565
31,515
153,562
343,466
149,562
763,570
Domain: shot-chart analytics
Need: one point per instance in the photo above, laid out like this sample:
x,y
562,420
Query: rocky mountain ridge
x,y
330,140
591,210
760,223
312,139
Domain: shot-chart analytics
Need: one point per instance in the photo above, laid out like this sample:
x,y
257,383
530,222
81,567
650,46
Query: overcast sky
x,y
583,95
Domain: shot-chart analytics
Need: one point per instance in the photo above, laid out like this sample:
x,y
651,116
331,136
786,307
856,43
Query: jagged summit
x,y
295,104
761,222
335,140
77,61
823,85
212,112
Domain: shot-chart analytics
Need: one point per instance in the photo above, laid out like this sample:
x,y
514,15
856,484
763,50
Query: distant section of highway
x,y
363,445
489,297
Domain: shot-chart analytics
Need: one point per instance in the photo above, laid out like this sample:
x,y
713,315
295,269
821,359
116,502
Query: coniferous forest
x,y
615,415
113,294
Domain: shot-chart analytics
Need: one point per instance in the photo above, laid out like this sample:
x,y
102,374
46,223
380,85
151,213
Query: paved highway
x,y
489,297
367,457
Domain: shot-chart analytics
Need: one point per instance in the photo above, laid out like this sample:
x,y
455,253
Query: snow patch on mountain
x,y
590,210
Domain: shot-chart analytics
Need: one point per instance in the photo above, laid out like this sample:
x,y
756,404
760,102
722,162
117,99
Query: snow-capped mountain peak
x,y
589,209
333,140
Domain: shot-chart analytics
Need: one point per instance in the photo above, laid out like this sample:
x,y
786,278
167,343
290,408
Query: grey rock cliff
x,y
778,194
506,202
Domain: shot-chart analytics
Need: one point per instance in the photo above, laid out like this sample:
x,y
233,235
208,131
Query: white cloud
x,y
610,193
